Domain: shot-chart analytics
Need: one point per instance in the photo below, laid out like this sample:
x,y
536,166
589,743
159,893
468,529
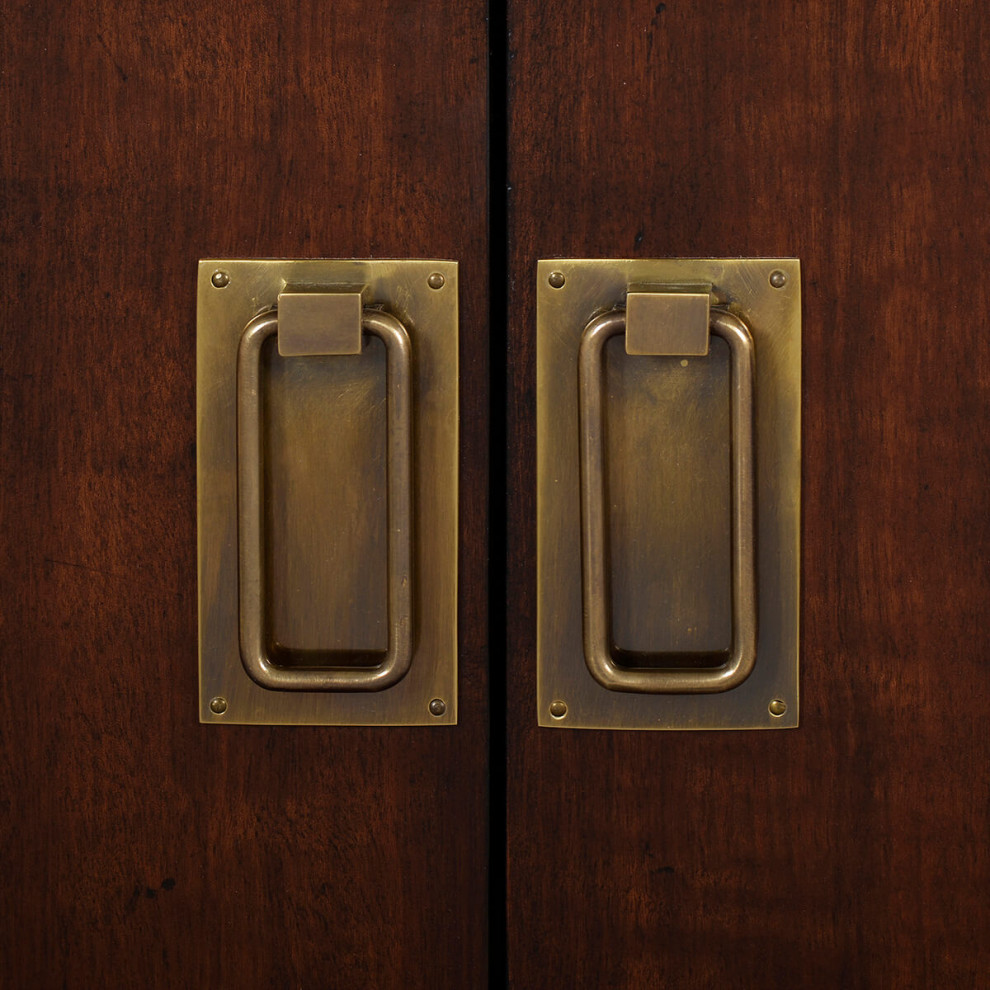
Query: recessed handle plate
x,y
327,408
668,493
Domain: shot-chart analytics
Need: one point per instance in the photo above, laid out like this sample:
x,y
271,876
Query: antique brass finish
x,y
327,492
319,323
262,667
667,323
668,491
738,664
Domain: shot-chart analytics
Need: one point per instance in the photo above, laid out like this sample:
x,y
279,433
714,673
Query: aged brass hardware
x,y
668,590
251,541
598,654
327,463
668,322
320,323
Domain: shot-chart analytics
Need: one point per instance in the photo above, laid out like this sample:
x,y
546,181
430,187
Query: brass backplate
x,y
667,456
325,507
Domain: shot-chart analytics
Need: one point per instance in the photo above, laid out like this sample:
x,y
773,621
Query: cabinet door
x,y
140,848
850,851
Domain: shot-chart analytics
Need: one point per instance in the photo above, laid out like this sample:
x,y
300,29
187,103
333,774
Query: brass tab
x,y
314,323
669,324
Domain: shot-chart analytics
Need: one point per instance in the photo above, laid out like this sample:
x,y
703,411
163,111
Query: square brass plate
x,y
324,493
667,453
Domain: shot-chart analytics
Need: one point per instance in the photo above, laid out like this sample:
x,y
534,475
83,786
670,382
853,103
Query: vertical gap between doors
x,y
498,249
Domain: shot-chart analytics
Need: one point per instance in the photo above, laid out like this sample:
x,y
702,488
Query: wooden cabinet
x,y
140,848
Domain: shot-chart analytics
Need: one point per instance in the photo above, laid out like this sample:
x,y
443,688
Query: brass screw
x,y
220,279
778,279
436,281
556,279
558,709
437,706
218,705
777,707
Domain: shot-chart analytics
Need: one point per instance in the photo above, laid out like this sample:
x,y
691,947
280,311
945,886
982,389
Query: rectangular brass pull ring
x,y
597,650
251,535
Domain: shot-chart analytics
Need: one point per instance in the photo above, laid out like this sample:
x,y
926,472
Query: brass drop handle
x,y
306,310
595,587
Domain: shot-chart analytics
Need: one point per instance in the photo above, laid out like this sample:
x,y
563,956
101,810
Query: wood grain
x,y
850,852
138,847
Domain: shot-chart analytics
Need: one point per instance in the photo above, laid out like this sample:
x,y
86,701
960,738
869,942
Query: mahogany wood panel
x,y
137,847
852,851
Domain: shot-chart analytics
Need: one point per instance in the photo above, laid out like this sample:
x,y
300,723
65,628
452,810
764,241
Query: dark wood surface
x,y
137,847
851,852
